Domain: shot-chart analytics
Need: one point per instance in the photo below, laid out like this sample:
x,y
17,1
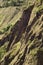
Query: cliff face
x,y
21,33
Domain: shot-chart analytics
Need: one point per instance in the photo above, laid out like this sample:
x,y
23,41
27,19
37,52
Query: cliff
x,y
21,32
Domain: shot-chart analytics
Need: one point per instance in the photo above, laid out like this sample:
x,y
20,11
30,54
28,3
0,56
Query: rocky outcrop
x,y
21,35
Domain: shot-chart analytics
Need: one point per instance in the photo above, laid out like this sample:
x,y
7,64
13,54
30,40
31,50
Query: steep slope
x,y
21,34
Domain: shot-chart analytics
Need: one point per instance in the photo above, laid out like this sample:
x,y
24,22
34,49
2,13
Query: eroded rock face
x,y
21,35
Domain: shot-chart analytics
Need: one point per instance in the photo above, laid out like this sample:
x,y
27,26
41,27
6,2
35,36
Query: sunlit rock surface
x,y
21,32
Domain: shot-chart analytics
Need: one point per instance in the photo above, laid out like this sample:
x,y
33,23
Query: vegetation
x,y
21,32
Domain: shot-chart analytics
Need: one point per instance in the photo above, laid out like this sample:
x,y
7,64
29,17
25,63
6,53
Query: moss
x,y
34,51
5,29
2,52
1,16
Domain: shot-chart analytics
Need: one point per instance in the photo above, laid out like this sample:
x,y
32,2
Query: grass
x,y
3,50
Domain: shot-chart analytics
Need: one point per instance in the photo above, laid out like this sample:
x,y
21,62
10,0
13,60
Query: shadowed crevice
x,y
20,26
40,57
38,14
21,61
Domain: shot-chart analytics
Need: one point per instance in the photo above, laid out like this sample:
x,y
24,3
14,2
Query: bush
x,y
5,4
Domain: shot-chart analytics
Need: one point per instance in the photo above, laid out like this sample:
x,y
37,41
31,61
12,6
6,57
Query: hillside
x,y
21,32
